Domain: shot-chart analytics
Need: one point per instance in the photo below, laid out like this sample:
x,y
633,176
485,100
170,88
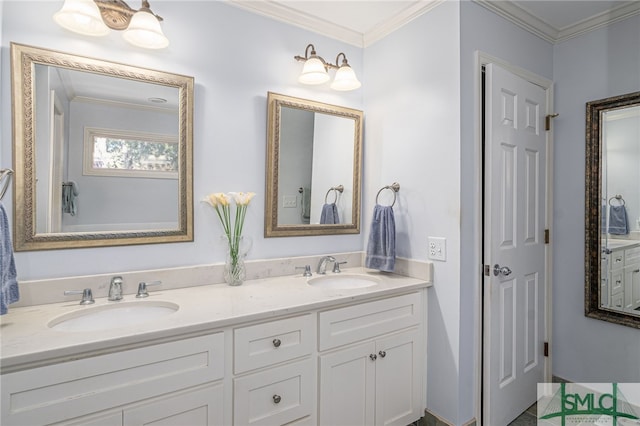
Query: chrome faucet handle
x,y
115,289
307,270
142,288
336,266
87,295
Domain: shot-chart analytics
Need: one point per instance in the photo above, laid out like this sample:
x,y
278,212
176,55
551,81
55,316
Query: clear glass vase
x,y
234,267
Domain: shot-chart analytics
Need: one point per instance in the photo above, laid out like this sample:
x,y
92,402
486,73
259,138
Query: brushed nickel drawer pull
x,y
277,343
277,399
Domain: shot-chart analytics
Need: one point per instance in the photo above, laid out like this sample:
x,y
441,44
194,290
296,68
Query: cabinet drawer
x,y
617,259
355,323
275,396
272,342
57,392
616,281
632,256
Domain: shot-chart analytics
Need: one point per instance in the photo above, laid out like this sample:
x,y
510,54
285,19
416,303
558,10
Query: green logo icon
x,y
583,405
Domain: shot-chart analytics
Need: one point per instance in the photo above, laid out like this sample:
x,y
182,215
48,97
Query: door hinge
x,y
487,270
547,121
546,236
546,348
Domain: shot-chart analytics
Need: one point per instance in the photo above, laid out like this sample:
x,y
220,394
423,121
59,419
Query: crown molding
x,y
521,17
280,12
535,25
603,19
518,15
397,21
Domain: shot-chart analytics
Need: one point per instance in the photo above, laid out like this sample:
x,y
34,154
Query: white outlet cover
x,y
438,248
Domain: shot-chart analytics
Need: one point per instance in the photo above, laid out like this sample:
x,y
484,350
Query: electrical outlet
x,y
289,202
438,248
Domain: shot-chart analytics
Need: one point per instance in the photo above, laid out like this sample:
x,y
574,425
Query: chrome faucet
x,y
322,265
115,289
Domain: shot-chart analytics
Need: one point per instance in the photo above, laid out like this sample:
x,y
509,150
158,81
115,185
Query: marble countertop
x,y
618,244
28,341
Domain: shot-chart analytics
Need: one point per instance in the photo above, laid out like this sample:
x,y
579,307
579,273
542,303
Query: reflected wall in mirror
x,y
102,152
314,166
612,232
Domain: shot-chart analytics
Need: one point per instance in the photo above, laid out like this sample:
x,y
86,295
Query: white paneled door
x,y
515,199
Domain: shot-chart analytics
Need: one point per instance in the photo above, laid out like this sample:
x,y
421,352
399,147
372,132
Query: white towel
x,y
8,277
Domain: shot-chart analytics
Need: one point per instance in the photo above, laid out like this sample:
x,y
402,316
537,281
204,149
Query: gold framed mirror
x,y
102,151
612,207
313,168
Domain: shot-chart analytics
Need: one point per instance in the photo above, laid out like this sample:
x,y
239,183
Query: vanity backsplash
x,y
39,292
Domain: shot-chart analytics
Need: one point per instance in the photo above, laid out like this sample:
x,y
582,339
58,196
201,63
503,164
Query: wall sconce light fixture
x,y
316,70
94,18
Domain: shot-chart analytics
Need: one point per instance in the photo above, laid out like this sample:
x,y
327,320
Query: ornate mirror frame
x,y
593,209
23,62
272,229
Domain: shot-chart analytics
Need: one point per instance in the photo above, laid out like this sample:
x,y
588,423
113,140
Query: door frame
x,y
481,59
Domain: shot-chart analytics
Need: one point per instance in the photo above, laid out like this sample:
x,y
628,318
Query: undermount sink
x,y
343,281
112,316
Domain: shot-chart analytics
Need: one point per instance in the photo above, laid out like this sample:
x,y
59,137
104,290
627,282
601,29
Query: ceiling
x,y
363,22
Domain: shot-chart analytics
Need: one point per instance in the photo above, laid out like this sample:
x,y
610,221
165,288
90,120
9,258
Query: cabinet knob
x,y
373,357
277,343
636,271
382,354
277,399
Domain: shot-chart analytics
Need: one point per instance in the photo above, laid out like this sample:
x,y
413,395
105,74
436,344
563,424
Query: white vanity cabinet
x,y
328,358
622,268
371,363
128,387
632,279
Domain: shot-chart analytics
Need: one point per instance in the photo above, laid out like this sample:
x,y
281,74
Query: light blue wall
x,y
235,57
412,131
597,65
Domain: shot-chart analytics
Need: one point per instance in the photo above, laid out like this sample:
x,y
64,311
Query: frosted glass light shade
x,y
313,72
82,17
144,31
345,79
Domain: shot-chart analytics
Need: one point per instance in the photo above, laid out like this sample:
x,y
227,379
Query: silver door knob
x,y
277,343
373,357
505,271
277,399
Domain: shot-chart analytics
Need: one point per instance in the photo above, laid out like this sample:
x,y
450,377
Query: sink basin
x,y
343,281
112,316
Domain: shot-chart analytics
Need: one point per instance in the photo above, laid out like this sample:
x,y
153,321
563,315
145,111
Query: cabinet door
x,y
398,379
202,407
347,386
631,287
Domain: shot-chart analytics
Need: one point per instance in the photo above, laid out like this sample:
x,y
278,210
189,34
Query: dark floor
x,y
527,418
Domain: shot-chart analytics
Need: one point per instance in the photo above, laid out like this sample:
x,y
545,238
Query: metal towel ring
x,y
395,187
619,198
335,190
5,174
